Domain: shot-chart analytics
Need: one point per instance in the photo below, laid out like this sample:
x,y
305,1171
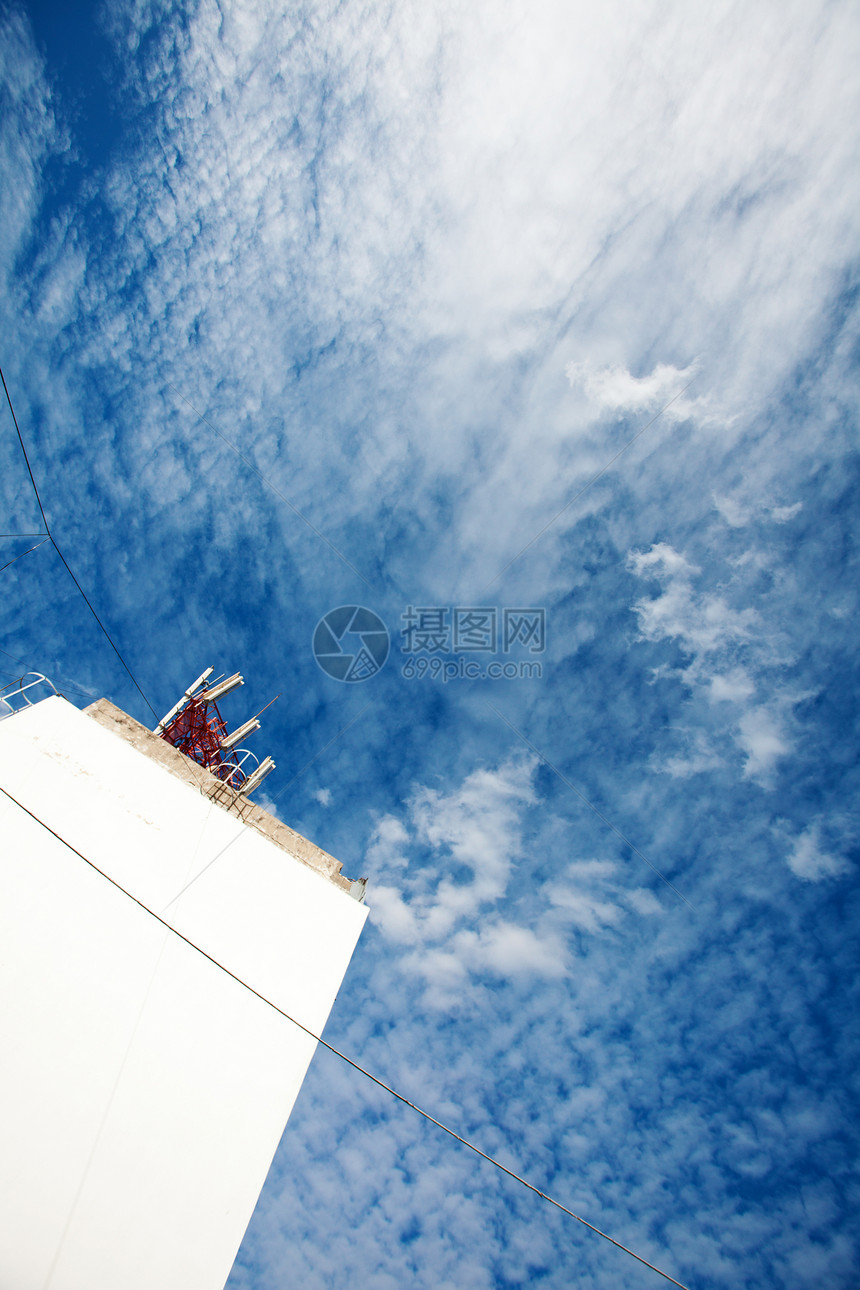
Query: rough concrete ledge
x,y
159,750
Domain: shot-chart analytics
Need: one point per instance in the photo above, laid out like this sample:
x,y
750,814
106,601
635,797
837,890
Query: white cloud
x,y
473,835
643,902
499,948
712,632
323,796
703,623
662,562
442,907
478,825
29,135
585,895
509,950
396,918
452,185
734,686
616,390
782,514
809,860
585,909
738,513
387,847
763,739
733,511
698,756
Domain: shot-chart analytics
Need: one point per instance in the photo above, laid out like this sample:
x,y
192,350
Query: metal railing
x,y
14,697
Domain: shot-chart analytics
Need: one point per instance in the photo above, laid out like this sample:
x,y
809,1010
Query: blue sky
x,y
429,269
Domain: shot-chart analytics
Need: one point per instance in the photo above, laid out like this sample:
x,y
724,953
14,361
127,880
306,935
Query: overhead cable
x,y
348,1060
23,553
63,558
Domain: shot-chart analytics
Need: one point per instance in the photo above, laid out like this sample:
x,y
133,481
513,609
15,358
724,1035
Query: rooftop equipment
x,y
195,726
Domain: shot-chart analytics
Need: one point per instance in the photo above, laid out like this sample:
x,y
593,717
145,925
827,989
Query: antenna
x,y
196,728
254,781
218,690
165,721
248,729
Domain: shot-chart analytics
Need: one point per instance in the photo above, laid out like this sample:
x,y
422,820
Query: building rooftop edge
x,y
294,844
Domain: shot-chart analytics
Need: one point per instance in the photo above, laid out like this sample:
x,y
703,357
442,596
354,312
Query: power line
x,y
23,553
66,685
337,1053
319,754
63,558
24,451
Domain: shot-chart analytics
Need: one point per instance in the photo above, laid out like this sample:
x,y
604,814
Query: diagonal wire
x,y
340,555
337,1053
586,487
218,856
316,756
66,685
26,458
23,553
63,558
546,761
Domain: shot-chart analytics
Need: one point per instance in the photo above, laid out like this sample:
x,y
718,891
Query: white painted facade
x,y
143,1091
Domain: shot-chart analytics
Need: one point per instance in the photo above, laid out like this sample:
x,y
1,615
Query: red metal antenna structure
x,y
196,728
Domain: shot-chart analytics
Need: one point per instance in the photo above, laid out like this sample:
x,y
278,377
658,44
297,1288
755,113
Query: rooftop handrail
x,y
16,691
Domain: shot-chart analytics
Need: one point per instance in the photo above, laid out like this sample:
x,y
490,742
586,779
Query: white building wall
x,y
142,1090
